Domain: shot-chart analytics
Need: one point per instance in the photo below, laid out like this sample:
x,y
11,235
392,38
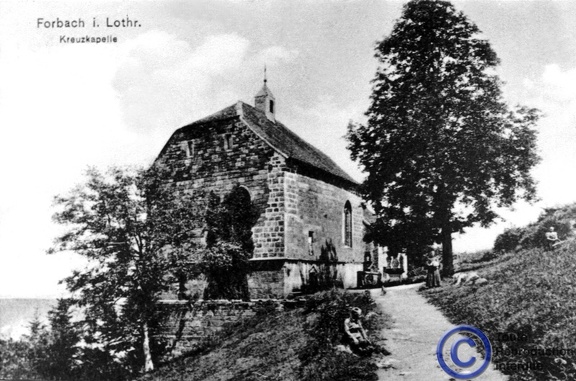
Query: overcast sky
x,y
66,106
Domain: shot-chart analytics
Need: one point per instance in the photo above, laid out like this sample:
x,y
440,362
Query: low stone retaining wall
x,y
186,323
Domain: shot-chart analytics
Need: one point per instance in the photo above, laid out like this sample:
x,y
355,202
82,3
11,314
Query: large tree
x,y
441,147
137,233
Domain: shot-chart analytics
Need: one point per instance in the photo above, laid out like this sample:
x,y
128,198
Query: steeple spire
x,y
265,101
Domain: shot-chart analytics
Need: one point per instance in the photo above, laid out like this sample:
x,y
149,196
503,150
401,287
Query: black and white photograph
x,y
281,190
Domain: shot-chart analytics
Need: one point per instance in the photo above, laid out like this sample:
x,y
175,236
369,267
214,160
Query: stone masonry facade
x,y
301,196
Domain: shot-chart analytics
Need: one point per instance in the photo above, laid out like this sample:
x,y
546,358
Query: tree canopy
x,y
138,233
141,236
441,147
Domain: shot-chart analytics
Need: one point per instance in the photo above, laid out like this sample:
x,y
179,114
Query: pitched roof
x,y
278,136
288,143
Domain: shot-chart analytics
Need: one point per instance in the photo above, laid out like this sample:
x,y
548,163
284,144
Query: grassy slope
x,y
279,346
264,349
531,293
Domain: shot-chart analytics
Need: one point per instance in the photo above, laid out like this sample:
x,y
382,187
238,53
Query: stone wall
x,y
309,275
316,207
266,279
186,324
202,159
269,231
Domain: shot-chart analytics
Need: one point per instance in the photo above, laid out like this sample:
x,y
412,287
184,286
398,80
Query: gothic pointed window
x,y
348,224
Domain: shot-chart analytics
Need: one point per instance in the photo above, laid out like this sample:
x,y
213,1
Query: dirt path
x,y
413,338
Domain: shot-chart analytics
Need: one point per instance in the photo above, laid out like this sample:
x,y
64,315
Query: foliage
x,y
57,354
530,293
229,245
136,232
329,310
562,218
141,235
14,360
441,147
508,240
37,342
44,353
226,267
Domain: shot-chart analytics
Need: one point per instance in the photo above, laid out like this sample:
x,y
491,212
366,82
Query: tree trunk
x,y
447,260
148,364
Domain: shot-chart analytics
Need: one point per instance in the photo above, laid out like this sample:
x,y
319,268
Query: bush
x,y
325,324
563,220
509,240
535,234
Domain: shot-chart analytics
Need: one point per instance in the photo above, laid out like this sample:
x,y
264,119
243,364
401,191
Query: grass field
x,y
527,309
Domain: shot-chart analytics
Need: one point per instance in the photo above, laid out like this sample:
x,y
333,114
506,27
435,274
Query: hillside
x,y
15,314
530,293
288,345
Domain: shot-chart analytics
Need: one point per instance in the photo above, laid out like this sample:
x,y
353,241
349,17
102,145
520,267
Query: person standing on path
x,y
433,277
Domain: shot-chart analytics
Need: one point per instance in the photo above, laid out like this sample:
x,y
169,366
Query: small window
x,y
228,141
271,106
190,149
348,224
310,243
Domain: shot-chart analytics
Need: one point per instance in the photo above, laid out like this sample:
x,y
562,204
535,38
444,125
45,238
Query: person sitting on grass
x,y
552,238
355,334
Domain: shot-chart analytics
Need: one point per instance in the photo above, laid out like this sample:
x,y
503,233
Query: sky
x,y
64,106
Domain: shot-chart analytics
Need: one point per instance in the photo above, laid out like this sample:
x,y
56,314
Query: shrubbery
x,y
562,219
509,240
327,312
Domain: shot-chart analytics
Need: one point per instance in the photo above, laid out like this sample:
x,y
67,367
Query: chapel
x,y
311,219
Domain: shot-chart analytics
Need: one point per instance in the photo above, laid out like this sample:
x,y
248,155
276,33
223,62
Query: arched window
x,y
238,218
348,224
240,195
